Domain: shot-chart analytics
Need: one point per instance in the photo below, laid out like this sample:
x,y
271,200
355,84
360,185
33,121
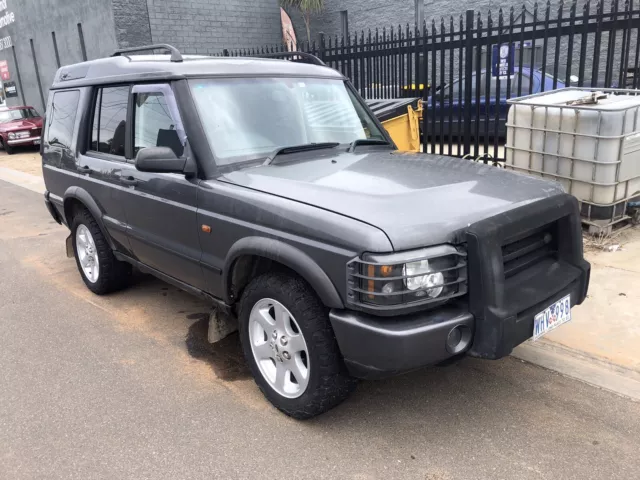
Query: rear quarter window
x,y
62,118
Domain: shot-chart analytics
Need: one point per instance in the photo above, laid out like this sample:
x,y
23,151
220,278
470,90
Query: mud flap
x,y
221,325
69,245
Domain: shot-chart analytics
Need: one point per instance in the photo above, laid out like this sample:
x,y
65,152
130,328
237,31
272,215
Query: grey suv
x,y
267,187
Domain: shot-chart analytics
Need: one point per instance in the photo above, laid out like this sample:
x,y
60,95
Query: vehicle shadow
x,y
471,405
476,406
171,311
225,357
485,419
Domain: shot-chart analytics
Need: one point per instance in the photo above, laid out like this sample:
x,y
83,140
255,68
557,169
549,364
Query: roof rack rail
x,y
284,55
176,56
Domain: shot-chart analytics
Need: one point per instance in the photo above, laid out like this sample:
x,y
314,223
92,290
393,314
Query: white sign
x,y
8,17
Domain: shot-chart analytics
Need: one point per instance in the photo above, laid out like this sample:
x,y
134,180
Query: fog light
x,y
458,339
454,337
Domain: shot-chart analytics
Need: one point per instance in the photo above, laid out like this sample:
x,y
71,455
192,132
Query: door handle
x,y
84,169
129,180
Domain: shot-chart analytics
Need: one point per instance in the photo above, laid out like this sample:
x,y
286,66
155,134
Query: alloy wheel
x,y
279,348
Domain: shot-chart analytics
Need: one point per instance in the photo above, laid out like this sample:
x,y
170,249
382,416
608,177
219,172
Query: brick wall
x,y
371,14
208,26
131,19
365,14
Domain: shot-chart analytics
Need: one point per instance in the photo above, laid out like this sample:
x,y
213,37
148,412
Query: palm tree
x,y
306,8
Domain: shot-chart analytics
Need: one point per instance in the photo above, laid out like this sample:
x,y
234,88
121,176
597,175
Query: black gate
x,y
466,68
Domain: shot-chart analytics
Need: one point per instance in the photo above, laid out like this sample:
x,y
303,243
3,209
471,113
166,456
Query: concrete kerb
x,y
21,179
585,368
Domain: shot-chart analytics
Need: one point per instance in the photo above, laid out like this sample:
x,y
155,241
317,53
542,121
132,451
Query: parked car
x,y
339,256
447,102
19,126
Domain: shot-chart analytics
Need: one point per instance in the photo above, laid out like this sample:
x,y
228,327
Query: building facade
x,y
38,36
355,16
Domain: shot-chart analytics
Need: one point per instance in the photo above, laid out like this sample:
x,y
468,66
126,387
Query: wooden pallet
x,y
607,227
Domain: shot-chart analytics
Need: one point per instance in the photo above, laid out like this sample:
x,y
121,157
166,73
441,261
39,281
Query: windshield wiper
x,y
366,141
298,148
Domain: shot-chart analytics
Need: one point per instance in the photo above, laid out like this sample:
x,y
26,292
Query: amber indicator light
x,y
371,271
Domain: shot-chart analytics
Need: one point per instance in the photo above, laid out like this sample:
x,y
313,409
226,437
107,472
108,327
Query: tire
x,y
111,274
327,380
6,148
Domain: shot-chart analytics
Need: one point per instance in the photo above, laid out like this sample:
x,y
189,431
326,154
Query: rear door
x,y
161,207
56,146
59,137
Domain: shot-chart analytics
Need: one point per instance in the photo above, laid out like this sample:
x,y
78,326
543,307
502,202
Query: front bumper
x,y
375,347
24,141
498,312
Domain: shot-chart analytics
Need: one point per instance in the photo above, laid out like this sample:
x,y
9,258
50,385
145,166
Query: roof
x,y
128,68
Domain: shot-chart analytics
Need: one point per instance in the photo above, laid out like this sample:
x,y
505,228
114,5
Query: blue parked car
x,y
447,99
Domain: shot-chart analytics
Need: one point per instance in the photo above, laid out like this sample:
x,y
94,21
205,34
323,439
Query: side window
x,y
108,134
456,89
493,87
459,85
62,118
525,79
96,122
153,124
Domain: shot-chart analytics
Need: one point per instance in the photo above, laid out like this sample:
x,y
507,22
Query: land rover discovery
x,y
267,187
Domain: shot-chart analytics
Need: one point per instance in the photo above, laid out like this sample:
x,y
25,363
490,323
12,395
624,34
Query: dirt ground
x,y
25,160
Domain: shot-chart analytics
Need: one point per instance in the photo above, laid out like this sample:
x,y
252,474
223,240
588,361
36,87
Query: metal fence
x,y
466,68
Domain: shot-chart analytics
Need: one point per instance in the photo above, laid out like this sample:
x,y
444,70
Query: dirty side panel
x,y
235,212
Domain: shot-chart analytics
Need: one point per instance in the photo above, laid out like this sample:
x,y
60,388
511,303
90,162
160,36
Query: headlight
x,y
430,283
12,135
419,276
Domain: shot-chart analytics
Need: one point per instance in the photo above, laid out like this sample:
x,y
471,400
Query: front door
x,y
98,169
161,207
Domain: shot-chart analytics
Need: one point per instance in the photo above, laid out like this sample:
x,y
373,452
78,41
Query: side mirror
x,y
159,160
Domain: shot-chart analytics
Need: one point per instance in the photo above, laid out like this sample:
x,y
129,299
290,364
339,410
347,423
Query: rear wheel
x,y
290,347
100,270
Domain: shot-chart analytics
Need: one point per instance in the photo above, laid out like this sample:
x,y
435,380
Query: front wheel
x,y
7,148
290,347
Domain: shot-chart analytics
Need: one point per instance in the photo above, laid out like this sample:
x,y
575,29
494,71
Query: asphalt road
x,y
126,386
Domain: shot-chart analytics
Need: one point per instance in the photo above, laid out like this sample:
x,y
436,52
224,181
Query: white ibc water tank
x,y
588,141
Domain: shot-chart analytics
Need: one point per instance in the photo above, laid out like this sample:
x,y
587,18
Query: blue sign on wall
x,y
503,57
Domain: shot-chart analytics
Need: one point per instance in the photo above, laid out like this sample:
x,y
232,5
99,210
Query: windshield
x,y
247,119
19,114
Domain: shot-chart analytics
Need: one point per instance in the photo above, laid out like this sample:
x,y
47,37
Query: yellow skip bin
x,y
401,118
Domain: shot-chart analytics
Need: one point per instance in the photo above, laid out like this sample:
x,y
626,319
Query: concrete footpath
x,y
600,346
